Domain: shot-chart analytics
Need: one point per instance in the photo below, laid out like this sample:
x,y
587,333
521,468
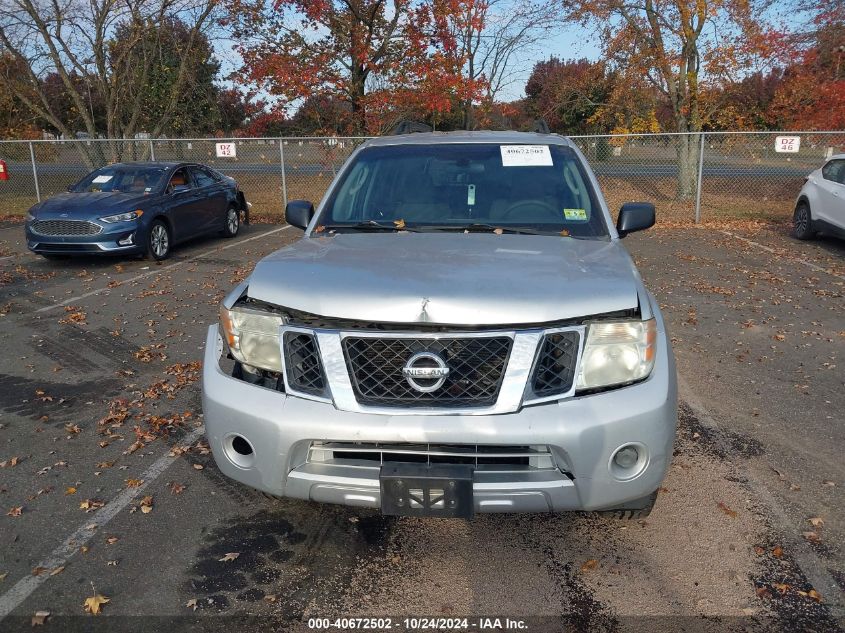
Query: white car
x,y
821,203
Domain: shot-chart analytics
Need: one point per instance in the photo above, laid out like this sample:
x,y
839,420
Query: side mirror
x,y
635,216
298,213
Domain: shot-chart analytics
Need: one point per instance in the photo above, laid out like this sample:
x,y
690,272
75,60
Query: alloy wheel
x,y
232,220
159,240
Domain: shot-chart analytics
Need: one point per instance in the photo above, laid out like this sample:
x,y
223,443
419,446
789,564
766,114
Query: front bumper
x,y
582,432
105,243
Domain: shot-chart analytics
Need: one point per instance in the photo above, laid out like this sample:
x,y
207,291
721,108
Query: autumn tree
x,y
76,39
679,47
812,93
296,49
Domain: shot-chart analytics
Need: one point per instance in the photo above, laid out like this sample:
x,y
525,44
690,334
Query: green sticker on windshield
x,y
576,215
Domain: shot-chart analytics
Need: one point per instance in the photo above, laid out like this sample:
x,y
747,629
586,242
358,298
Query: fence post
x,y
34,172
284,180
700,176
152,150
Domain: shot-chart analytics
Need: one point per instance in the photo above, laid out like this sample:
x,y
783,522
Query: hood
x,y
88,205
448,278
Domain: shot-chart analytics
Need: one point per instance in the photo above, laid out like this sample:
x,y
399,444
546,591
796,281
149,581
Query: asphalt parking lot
x,y
107,487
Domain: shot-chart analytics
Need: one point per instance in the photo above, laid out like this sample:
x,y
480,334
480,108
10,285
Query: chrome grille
x,y
476,369
65,228
484,456
303,368
554,371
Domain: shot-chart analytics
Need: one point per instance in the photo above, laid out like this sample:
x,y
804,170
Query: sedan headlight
x,y
617,353
30,217
123,217
253,336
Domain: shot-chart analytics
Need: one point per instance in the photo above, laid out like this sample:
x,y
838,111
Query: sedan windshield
x,y
122,178
466,187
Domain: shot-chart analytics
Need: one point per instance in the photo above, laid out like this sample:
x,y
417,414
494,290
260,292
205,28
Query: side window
x,y
202,178
179,179
834,171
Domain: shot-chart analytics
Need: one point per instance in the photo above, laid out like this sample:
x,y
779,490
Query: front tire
x,y
232,223
159,241
802,222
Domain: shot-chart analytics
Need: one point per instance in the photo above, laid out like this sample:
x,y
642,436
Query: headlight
x,y
617,353
253,336
123,217
30,217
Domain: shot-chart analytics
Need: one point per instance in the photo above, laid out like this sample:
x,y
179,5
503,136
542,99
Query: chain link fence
x,y
694,177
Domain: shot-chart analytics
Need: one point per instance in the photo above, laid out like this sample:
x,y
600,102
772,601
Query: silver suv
x,y
459,330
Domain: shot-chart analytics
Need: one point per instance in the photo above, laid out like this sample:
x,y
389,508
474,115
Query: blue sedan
x,y
136,208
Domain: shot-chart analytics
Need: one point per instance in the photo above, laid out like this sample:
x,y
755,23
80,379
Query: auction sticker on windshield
x,y
526,156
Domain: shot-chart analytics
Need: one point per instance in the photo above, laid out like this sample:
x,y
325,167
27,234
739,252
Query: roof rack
x,y
410,127
541,127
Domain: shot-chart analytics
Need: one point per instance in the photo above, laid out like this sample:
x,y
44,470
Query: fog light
x,y
128,240
626,457
241,446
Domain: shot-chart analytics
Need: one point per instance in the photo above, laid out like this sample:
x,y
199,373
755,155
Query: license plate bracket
x,y
426,490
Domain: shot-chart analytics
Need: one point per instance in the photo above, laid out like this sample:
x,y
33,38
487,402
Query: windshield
x,y
123,178
525,188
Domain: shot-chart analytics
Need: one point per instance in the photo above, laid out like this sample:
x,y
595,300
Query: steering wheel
x,y
553,214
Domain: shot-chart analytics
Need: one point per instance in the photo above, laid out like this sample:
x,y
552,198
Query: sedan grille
x,y
303,367
65,228
554,371
476,367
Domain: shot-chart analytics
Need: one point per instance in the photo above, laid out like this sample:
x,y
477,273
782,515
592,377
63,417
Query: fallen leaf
x,y
89,505
57,571
399,224
564,233
111,563
777,552
815,595
817,521
104,464
93,604
192,604
782,588
15,511
37,571
134,483
828,482
40,617
759,550
112,540
498,231
763,593
590,565
84,549
73,429
726,510
198,466
3,576
229,557
176,488
812,537
270,597
70,490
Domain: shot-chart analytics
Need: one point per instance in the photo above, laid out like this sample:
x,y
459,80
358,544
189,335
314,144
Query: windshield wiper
x,y
479,227
369,225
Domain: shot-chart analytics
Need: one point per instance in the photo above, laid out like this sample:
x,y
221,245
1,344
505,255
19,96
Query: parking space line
x,y
769,249
159,270
15,596
811,565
